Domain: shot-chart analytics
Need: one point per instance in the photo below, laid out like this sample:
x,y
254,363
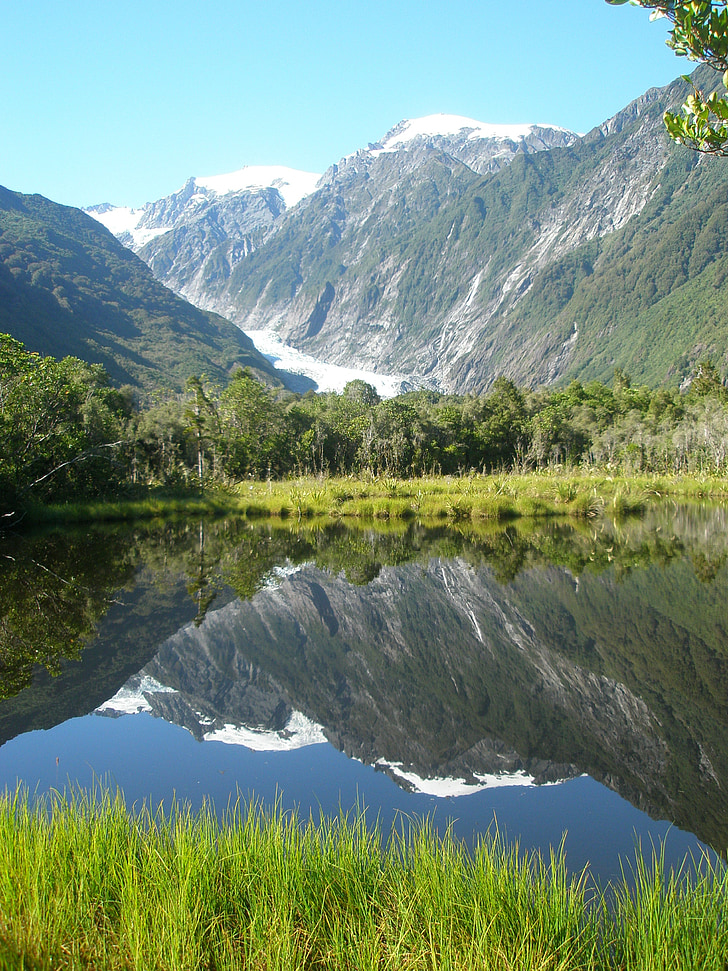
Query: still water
x,y
547,679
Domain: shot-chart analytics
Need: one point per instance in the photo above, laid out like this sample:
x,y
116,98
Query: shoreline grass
x,y
431,499
86,883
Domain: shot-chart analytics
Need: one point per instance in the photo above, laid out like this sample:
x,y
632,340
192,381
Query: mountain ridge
x,y
198,254
440,257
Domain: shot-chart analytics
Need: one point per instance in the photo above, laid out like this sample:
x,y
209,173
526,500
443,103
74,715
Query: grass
x,y
85,883
429,499
473,498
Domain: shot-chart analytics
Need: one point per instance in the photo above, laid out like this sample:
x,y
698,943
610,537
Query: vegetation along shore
x,y
495,497
66,435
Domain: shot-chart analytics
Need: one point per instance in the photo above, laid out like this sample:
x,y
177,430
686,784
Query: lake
x,y
556,680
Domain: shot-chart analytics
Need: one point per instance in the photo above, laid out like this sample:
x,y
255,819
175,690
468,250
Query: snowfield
x,y
120,220
432,126
448,788
292,184
327,377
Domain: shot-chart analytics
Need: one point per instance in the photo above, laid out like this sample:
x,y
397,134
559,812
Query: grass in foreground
x,y
87,884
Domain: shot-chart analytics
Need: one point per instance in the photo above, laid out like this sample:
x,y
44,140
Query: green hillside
x,y
68,287
651,298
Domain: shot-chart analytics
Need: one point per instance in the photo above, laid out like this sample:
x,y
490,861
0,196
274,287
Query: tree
x,y
202,422
160,443
253,427
358,390
705,381
700,32
61,427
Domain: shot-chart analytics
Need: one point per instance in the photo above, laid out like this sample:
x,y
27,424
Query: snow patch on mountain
x,y
299,732
292,184
448,788
136,227
327,377
123,222
133,699
444,126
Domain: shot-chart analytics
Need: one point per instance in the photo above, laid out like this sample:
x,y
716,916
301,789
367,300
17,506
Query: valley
x,y
364,524
454,252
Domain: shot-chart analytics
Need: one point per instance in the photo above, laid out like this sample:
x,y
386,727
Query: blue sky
x,y
122,102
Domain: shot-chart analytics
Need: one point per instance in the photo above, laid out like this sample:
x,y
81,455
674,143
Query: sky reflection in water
x,y
514,624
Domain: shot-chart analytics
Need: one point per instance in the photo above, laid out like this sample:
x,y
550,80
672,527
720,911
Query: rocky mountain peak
x,y
482,146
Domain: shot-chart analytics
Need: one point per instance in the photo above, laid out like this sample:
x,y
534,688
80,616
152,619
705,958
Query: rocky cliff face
x,y
207,239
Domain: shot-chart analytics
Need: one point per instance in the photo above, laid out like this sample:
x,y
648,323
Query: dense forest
x,y
65,432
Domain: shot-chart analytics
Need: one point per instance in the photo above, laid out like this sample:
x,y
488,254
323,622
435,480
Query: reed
x,y
499,497
86,883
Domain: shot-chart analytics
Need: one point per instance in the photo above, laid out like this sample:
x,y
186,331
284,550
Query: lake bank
x,y
90,884
498,497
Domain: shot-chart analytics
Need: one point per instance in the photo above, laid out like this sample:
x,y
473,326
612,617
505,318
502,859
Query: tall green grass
x,y
85,883
474,498
498,497
125,510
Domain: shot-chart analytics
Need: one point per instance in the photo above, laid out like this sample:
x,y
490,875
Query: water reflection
x,y
452,660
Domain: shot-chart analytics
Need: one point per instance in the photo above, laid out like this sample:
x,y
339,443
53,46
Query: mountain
x,y
455,251
279,187
196,239
67,286
482,147
192,237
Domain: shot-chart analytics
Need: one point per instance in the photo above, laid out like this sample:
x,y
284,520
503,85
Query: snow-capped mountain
x,y
453,251
450,126
281,187
123,222
483,147
194,238
291,184
428,255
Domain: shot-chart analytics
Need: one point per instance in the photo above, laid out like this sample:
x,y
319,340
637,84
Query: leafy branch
x,y
699,32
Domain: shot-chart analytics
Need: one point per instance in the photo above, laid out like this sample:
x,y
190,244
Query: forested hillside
x,y
65,433
68,287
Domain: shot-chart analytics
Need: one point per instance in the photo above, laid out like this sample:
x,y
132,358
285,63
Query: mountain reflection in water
x,y
453,661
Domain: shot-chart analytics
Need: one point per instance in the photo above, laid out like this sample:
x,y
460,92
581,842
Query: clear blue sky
x,y
123,101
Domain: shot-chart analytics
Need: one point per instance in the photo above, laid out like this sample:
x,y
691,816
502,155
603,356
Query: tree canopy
x,y
700,32
66,434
